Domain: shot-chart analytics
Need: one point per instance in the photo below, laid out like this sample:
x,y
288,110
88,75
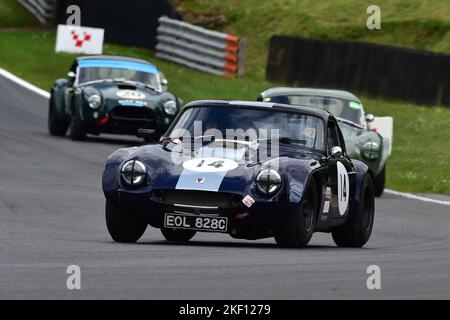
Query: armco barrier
x,y
414,76
199,48
43,10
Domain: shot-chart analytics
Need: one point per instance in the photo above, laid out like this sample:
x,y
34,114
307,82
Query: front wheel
x,y
56,126
379,182
177,235
77,130
356,231
124,225
297,229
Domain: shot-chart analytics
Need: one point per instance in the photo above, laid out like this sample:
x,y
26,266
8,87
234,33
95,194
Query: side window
x,y
333,136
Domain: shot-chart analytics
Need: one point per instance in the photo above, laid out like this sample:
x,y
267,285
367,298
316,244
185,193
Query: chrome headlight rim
x,y
170,107
94,101
268,181
370,150
133,172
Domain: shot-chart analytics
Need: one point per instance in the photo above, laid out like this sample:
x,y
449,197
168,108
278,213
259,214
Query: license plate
x,y
193,222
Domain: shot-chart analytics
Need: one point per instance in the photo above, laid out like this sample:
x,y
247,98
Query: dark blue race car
x,y
249,169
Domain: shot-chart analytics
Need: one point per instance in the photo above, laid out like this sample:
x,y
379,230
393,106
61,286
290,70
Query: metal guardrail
x,y
43,10
199,48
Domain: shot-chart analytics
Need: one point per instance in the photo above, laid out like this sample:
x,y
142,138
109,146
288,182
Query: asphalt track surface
x,y
52,216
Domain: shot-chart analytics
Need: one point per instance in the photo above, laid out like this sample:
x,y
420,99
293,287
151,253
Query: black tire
x,y
380,182
356,231
124,225
297,229
177,235
56,126
77,130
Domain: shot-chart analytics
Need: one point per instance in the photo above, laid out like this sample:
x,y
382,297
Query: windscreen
x,y
252,124
93,74
104,69
340,108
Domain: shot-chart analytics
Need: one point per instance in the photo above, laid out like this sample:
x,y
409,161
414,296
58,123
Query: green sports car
x,y
111,94
367,138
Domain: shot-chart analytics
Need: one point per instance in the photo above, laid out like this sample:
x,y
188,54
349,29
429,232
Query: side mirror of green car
x,y
71,76
370,117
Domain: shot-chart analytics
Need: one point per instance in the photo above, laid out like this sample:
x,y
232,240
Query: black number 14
x,y
343,194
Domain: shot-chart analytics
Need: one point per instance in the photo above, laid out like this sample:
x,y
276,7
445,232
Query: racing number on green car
x,y
343,188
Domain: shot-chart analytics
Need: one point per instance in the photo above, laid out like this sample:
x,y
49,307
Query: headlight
x,y
370,150
170,107
268,181
133,172
95,101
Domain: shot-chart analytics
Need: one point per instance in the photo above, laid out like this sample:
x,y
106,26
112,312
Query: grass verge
x,y
414,24
13,14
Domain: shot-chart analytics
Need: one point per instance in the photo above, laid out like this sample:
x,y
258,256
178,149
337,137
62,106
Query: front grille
x,y
197,198
133,116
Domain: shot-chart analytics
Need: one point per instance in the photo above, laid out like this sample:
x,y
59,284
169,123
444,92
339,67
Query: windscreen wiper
x,y
136,83
288,140
95,81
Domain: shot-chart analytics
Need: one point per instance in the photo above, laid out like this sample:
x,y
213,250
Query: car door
x,y
339,170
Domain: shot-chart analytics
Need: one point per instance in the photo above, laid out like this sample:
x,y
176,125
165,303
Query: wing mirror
x,y
71,75
164,82
370,117
336,152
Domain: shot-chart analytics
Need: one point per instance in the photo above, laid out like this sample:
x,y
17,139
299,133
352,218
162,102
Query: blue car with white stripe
x,y
111,94
250,169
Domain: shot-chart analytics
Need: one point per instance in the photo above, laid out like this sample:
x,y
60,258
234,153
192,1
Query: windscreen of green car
x,y
340,108
94,70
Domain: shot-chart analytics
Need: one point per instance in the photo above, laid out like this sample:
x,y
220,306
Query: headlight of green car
x,y
370,150
93,98
170,107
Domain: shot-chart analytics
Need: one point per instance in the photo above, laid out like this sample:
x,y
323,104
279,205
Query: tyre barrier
x,y
199,48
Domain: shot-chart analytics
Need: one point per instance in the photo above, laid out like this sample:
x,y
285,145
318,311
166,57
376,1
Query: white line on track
x,y
46,94
24,83
415,197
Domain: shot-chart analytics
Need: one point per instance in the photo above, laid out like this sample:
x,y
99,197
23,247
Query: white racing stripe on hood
x,y
190,180
204,174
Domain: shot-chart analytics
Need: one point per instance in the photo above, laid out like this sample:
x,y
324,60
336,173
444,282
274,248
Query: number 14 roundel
x,y
343,188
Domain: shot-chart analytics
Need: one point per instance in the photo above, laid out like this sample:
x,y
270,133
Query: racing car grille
x,y
198,198
132,116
